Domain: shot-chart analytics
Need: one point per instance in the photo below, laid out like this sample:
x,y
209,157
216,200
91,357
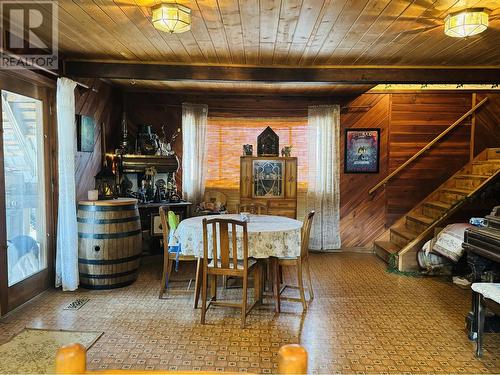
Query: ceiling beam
x,y
338,74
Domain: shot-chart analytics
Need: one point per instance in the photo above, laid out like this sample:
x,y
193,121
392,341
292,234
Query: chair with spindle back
x,y
223,260
253,208
169,222
301,262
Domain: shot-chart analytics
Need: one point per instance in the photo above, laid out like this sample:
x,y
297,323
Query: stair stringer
x,y
407,255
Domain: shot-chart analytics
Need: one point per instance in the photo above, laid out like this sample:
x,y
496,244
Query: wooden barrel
x,y
109,243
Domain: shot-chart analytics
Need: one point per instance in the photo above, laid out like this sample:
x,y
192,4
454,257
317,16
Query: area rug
x,y
33,351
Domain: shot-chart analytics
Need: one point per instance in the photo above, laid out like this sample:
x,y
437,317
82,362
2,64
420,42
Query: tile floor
x,y
363,320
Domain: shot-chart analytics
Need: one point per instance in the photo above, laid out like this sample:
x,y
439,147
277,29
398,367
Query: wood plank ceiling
x,y
280,32
291,33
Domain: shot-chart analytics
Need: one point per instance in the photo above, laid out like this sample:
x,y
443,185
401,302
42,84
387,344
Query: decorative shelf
x,y
138,163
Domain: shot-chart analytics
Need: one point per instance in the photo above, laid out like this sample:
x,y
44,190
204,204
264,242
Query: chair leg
x,y
308,270
244,302
281,274
213,287
276,284
481,314
163,286
301,284
204,286
257,279
197,283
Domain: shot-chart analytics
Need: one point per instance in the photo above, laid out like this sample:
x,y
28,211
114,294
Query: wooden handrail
x,y
429,145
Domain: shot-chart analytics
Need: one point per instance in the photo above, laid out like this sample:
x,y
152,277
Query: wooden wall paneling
x,y
487,132
104,107
362,217
416,119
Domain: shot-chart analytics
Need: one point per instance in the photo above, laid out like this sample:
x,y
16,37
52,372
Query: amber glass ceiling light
x,y
171,18
466,23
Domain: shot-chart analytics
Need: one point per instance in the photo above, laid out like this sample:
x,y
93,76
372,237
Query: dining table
x,y
269,237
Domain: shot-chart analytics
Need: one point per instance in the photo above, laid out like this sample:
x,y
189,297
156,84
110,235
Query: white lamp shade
x,y
466,23
171,18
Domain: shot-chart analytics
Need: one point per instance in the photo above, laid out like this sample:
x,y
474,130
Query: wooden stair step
x,y
473,176
457,190
426,220
405,233
439,204
384,249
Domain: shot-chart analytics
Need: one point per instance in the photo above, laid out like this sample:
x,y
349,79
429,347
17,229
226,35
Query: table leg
x,y
276,283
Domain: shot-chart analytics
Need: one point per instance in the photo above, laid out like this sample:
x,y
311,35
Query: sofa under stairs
x,y
403,239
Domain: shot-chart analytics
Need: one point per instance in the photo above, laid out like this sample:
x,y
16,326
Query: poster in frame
x,y
361,150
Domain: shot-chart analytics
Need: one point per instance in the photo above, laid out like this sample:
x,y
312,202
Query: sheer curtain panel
x,y
67,227
323,194
194,151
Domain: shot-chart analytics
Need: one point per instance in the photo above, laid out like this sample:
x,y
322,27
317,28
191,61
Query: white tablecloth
x,y
267,236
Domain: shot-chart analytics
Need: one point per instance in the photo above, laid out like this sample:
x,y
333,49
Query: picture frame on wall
x,y
85,133
362,150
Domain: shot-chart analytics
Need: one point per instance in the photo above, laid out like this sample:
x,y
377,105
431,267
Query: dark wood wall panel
x,y
362,217
487,133
104,107
408,121
416,119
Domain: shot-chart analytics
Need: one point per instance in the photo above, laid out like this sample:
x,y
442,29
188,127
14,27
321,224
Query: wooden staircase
x,y
408,234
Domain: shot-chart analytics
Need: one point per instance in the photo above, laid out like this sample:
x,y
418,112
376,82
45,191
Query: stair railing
x,y
429,145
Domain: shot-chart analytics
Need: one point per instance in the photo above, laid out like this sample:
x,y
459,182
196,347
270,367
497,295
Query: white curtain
x,y
323,195
67,227
194,151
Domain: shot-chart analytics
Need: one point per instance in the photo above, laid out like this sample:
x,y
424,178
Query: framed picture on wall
x,y
85,129
362,150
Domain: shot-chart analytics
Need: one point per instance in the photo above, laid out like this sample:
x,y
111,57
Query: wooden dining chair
x,y
253,208
301,263
223,260
169,258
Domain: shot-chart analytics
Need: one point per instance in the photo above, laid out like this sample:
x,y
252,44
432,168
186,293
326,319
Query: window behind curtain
x,y
226,137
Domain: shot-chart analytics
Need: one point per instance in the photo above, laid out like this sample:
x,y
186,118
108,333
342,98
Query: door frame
x,y
31,84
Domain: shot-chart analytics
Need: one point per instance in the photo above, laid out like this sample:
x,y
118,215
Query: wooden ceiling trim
x,y
352,74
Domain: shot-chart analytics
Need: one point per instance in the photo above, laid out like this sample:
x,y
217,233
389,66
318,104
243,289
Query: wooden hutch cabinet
x,y
271,181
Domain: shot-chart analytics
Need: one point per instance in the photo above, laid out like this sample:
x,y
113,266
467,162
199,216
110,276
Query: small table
x,y
268,237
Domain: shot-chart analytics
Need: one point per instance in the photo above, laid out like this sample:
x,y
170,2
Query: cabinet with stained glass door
x,y
271,181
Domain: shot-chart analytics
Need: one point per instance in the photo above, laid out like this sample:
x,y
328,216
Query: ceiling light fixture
x,y
171,17
466,23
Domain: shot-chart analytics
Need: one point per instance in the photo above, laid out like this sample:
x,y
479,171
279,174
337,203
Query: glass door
x,y
22,124
24,230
